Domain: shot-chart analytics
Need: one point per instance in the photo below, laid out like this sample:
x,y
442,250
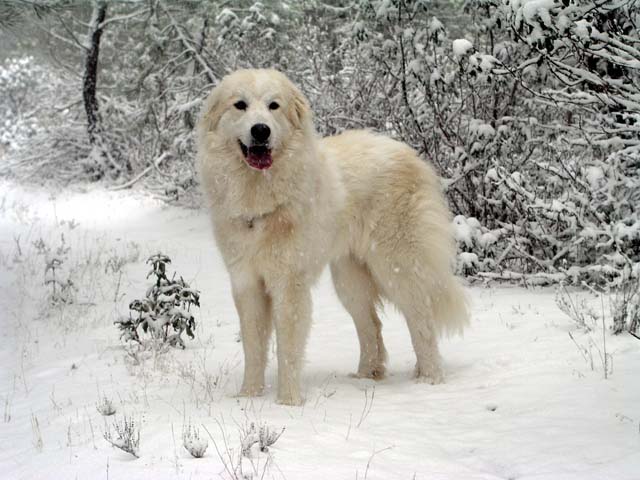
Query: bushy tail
x,y
450,308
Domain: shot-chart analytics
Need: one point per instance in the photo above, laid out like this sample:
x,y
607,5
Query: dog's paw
x,y
291,399
251,391
374,373
432,376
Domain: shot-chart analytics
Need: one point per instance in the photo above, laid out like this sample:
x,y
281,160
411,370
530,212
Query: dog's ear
x,y
299,110
211,112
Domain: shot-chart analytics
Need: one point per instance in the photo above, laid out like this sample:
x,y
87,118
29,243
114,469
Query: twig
x,y
604,340
155,164
580,349
368,403
349,429
215,445
366,471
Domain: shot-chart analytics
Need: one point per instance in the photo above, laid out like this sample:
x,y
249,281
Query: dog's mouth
x,y
257,156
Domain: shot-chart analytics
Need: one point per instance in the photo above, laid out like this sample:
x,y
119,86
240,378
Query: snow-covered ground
x,y
522,398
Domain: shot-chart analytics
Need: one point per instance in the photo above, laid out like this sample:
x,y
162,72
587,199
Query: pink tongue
x,y
260,160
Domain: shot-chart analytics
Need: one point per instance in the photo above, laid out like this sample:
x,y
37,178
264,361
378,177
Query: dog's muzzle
x,y
257,156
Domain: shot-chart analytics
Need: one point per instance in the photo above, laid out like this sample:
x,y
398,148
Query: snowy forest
x,y
529,111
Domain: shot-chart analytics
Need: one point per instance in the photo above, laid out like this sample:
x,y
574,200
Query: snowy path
x,y
520,400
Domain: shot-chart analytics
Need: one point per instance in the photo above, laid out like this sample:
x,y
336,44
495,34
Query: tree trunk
x,y
91,70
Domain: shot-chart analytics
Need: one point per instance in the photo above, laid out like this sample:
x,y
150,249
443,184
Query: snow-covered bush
x,y
623,312
251,459
625,307
571,208
20,77
38,126
528,109
594,323
62,289
261,436
165,312
531,124
105,407
126,437
577,309
193,442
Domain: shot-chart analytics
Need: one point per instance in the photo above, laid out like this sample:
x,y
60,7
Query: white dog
x,y
285,203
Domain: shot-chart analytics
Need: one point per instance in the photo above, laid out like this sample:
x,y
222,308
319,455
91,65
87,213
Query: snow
x,y
487,62
226,16
462,231
461,46
388,45
595,176
435,26
487,238
538,8
468,259
415,66
434,77
583,29
383,8
481,129
491,175
557,206
520,401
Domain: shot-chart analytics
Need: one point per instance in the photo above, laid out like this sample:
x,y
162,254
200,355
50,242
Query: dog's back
x,y
399,225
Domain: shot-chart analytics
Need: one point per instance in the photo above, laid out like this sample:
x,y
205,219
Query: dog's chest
x,y
261,235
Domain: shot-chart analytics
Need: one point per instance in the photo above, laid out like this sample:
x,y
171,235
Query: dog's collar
x,y
250,221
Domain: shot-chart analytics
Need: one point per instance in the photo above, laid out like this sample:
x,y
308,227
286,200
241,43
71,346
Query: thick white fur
x,y
361,202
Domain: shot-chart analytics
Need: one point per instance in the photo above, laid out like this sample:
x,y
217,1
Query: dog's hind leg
x,y
416,293
359,295
425,344
254,309
413,297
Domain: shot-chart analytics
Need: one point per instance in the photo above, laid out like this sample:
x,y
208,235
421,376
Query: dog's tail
x,y
450,307
447,298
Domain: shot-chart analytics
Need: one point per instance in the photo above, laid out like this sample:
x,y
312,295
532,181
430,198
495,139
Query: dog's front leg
x,y
292,316
253,306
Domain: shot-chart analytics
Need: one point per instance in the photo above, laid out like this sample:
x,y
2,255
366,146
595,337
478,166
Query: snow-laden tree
x,y
527,108
574,204
531,120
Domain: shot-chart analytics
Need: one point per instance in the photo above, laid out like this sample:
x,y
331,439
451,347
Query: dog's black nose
x,y
260,132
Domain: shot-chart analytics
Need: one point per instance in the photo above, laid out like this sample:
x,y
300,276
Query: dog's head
x,y
255,112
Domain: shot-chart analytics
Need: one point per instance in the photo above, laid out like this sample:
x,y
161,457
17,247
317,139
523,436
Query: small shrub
x,y
252,458
37,434
593,325
268,437
165,312
127,436
61,291
576,309
625,307
261,435
193,442
117,260
106,407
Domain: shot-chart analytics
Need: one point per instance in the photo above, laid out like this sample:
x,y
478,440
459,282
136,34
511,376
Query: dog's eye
x,y
240,105
274,106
